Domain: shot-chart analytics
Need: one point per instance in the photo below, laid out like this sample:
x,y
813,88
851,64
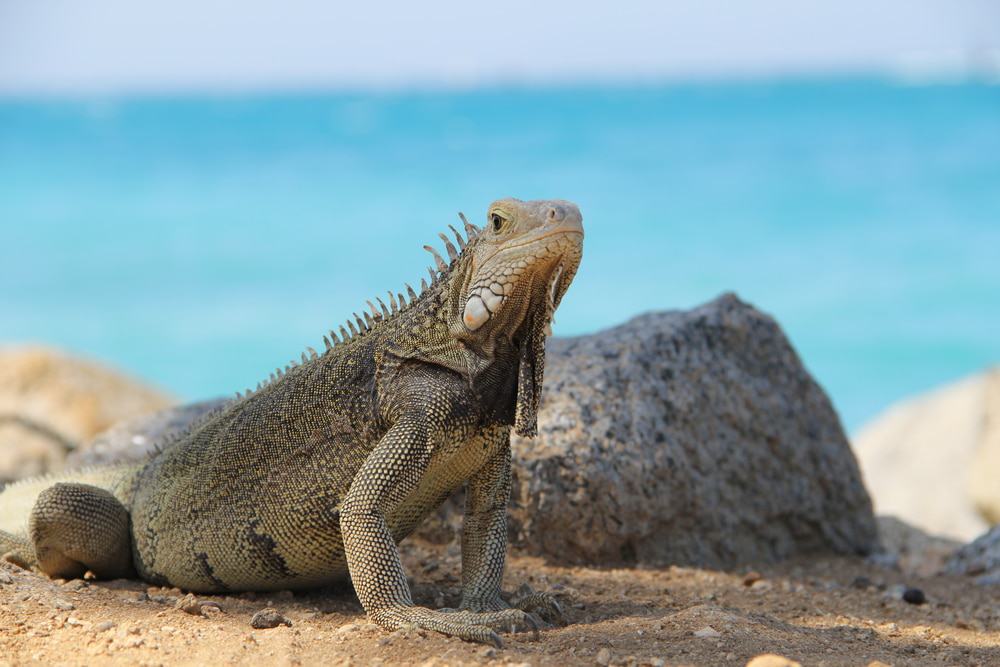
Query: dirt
x,y
827,611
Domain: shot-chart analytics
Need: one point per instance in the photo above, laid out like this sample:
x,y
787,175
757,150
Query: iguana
x,y
321,471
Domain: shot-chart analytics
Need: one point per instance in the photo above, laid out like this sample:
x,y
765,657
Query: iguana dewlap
x,y
319,473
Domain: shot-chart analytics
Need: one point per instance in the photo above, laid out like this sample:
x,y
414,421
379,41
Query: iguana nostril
x,y
556,214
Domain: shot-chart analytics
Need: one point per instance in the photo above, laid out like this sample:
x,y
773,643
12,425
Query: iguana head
x,y
508,282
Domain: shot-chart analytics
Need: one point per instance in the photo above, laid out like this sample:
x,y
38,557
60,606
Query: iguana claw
x,y
469,625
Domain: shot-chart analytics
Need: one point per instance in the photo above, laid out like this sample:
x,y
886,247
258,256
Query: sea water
x,y
200,241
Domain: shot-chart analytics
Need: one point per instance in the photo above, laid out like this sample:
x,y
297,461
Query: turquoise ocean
x,y
200,241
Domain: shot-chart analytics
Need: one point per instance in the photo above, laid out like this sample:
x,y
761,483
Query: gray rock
x,y
690,437
133,439
979,558
268,618
910,549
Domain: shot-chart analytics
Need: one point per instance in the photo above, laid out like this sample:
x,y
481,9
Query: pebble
x,y
189,604
603,657
268,618
752,577
104,627
861,583
772,660
488,652
63,605
707,632
914,596
345,630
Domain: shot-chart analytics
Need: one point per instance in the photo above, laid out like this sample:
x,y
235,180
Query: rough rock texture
x,y
912,550
934,460
692,437
50,401
980,558
133,439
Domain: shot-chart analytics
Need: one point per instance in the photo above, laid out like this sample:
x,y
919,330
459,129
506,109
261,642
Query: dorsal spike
x,y
260,385
452,253
375,312
350,325
442,266
312,353
385,311
326,343
433,276
361,323
423,285
343,334
238,396
411,292
272,377
401,300
458,237
392,302
249,391
333,337
470,229
369,322
304,358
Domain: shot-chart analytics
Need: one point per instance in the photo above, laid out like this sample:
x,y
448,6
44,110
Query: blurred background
x,y
196,191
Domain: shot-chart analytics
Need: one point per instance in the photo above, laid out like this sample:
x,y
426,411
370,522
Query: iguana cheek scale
x,y
319,472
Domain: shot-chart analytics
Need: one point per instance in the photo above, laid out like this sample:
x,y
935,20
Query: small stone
x,y
5,578
761,585
346,630
104,627
707,632
895,591
75,622
914,596
488,652
603,657
861,583
63,605
772,660
752,577
189,604
268,618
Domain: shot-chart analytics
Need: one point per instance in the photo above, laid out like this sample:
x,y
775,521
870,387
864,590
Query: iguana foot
x,y
545,605
469,625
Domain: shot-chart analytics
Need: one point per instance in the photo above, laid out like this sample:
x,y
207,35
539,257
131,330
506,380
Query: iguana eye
x,y
497,222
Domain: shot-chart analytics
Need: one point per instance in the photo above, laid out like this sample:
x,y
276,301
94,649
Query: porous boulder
x,y
689,437
980,558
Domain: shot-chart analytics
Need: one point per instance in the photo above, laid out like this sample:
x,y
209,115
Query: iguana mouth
x,y
487,296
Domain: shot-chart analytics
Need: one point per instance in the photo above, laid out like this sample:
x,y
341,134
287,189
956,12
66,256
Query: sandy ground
x,y
832,611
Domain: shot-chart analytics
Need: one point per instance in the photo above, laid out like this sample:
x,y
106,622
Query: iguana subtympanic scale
x,y
321,471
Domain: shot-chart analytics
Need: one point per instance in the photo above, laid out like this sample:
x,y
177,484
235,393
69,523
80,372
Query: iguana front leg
x,y
392,471
484,540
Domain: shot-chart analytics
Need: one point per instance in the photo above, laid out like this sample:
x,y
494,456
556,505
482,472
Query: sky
x,y
121,46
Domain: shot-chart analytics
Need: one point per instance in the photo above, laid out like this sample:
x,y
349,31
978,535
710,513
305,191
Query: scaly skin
x,y
319,473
